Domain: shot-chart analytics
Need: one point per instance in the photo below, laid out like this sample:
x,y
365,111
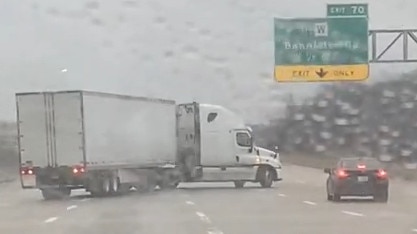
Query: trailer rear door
x,y
34,145
50,127
68,123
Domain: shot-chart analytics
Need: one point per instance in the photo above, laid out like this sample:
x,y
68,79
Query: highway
x,y
296,205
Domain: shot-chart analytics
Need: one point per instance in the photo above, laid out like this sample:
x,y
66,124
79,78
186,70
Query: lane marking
x,y
310,203
414,230
352,213
281,195
84,199
190,203
50,220
214,231
71,207
203,217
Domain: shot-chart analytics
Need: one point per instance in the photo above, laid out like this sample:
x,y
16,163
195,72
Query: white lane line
x,y
281,195
85,199
214,231
414,230
310,203
50,220
190,203
203,217
352,213
71,207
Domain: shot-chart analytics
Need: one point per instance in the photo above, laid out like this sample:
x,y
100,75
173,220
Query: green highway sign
x,y
321,49
341,10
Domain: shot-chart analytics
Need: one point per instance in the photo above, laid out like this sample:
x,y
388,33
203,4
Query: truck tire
x,y
266,177
239,183
189,167
55,194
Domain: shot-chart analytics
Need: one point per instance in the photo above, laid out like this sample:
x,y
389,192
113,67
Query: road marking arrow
x,y
321,73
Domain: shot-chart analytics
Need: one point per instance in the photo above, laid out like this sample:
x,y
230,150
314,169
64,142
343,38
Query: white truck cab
x,y
215,145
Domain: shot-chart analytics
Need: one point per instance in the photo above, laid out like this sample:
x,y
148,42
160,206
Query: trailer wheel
x,y
106,186
100,186
115,185
239,183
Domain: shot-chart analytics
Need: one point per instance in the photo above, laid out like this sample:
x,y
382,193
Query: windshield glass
x,y
129,116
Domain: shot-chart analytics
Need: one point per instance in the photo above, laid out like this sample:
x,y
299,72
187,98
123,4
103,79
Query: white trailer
x,y
105,143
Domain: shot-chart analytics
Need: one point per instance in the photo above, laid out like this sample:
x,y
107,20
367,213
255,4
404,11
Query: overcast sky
x,y
217,51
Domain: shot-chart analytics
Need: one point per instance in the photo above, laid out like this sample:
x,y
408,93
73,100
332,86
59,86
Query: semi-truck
x,y
109,143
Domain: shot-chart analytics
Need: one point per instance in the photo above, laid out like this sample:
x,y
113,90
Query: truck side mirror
x,y
276,149
327,170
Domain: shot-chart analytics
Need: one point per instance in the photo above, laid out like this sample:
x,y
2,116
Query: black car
x,y
357,177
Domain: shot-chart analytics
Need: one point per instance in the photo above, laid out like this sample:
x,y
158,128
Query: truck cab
x,y
215,145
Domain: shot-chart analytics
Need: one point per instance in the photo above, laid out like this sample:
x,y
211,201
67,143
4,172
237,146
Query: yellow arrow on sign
x,y
321,73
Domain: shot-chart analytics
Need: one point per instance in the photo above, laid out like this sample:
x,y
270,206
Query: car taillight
x,y
78,170
27,171
381,174
341,174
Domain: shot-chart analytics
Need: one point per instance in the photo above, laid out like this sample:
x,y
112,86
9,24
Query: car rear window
x,y
353,163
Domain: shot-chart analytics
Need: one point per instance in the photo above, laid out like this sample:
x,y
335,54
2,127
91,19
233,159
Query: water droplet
x,y
97,21
169,54
53,11
92,5
129,3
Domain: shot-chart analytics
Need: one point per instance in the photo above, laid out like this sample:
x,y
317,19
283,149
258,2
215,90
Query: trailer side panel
x,y
123,131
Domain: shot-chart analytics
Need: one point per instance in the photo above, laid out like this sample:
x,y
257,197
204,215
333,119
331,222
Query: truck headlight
x,y
258,159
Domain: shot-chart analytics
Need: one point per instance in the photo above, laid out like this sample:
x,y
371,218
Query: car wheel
x,y
329,197
382,196
336,197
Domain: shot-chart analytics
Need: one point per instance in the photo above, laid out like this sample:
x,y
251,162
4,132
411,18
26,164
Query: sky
x,y
217,51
